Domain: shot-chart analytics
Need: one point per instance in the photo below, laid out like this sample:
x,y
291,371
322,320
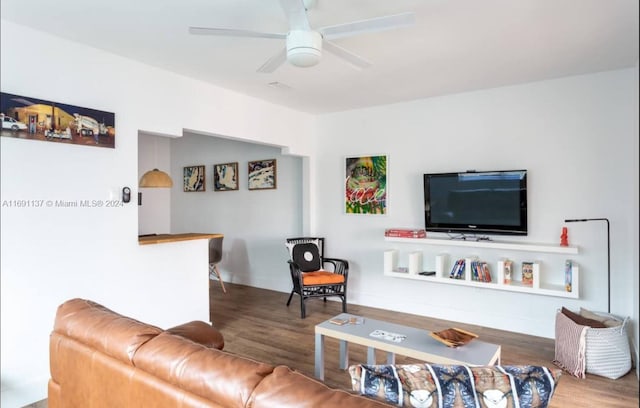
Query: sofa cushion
x,y
286,388
209,373
200,332
606,318
434,385
101,328
581,320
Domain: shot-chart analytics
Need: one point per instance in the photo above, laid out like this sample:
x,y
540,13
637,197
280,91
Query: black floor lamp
x,y
608,256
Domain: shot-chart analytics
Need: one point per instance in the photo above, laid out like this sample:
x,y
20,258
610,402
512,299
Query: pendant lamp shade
x,y
156,178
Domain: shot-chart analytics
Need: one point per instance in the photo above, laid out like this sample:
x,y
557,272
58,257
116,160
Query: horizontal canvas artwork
x,y
24,117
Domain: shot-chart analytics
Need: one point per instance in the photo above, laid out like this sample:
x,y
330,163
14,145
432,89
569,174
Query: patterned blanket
x,y
456,386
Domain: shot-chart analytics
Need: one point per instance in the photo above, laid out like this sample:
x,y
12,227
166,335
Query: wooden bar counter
x,y
164,238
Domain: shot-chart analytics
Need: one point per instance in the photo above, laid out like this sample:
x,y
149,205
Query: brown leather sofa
x,y
99,358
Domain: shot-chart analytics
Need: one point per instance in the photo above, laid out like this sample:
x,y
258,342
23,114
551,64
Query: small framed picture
x,y
225,177
193,178
262,174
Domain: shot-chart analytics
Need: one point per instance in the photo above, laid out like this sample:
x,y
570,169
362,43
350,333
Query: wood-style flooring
x,y
257,323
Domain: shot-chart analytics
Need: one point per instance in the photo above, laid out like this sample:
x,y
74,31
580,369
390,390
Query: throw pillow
x,y
606,319
581,320
306,254
436,385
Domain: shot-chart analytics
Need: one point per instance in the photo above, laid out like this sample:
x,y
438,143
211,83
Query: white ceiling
x,y
455,45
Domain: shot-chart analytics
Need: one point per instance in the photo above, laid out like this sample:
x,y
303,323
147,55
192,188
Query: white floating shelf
x,y
512,246
545,289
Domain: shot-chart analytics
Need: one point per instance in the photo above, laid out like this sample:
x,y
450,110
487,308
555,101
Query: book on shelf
x,y
486,273
405,233
457,272
474,271
480,271
527,273
568,275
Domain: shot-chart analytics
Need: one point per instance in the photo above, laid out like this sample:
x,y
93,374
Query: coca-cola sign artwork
x,y
366,185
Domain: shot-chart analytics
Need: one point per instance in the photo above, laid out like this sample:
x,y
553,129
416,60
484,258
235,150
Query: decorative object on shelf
x,y
508,272
415,262
608,255
390,260
454,337
564,238
225,177
366,185
405,233
568,265
193,178
38,119
440,260
262,174
527,273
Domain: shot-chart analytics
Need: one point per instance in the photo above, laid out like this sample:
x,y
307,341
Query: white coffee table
x,y
417,344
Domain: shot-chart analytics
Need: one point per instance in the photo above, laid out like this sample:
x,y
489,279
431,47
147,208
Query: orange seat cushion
x,y
321,278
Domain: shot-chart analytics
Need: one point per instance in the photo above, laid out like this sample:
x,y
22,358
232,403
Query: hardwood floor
x,y
256,323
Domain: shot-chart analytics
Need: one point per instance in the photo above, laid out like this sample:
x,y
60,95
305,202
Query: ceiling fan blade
x,y
348,56
230,32
274,62
370,25
296,14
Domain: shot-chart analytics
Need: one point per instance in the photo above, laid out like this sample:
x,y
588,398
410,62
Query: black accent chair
x,y
313,275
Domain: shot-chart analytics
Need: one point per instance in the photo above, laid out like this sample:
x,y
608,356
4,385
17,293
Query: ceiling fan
x,y
304,45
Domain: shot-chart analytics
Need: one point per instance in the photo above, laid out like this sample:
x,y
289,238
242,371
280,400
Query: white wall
x,y
576,138
52,254
154,215
255,223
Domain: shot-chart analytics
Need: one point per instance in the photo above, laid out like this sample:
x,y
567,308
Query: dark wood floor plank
x,y
257,323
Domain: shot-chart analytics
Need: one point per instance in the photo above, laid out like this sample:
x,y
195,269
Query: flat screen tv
x,y
476,202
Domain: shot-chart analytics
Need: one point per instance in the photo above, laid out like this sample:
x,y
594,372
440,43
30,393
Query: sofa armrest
x,y
199,332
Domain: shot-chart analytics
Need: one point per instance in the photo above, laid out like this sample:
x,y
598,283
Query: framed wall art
x,y
25,117
262,174
193,178
225,177
365,185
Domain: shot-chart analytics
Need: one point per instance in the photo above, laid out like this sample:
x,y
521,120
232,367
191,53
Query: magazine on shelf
x,y
527,273
389,336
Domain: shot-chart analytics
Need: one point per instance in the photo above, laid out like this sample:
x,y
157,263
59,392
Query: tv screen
x,y
483,202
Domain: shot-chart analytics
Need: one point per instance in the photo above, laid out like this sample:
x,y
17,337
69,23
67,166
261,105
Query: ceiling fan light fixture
x,y
304,48
156,178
